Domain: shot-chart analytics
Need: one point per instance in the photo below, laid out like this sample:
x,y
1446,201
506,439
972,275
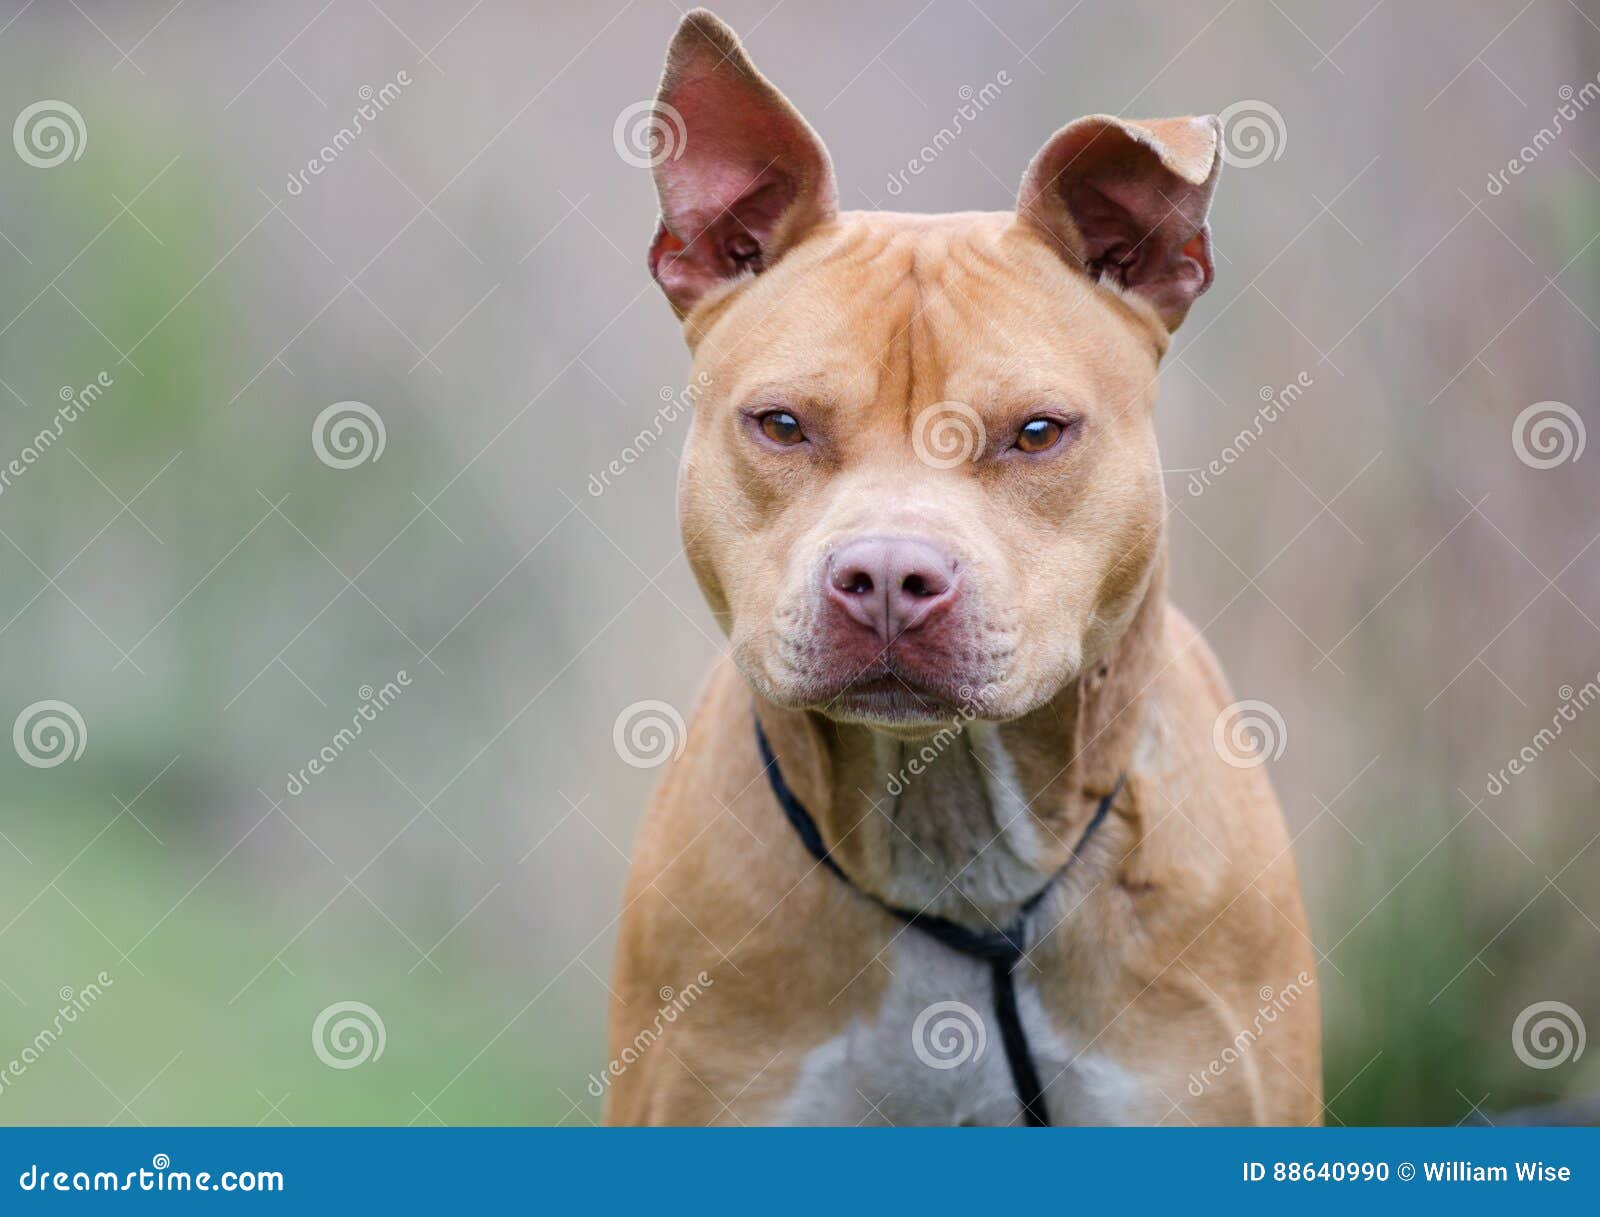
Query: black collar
x,y
1002,949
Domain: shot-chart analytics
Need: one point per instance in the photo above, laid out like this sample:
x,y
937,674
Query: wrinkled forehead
x,y
918,309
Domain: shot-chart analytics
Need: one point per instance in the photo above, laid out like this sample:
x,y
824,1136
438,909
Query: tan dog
x,y
922,496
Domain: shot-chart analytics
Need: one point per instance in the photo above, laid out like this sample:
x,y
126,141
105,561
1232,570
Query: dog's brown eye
x,y
781,427
1038,434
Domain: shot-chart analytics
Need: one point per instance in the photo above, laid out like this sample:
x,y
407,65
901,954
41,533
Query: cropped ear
x,y
1127,201
740,175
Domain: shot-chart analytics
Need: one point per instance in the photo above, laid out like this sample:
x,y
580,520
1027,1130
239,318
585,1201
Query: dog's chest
x,y
932,1053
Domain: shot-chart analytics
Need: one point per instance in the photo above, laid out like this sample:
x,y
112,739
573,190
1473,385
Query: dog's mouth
x,y
885,696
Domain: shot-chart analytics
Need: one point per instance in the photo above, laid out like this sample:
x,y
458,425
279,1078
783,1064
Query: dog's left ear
x,y
740,175
1127,202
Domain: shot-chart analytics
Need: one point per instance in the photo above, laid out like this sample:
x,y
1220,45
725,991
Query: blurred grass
x,y
177,1028
206,1059
1418,1029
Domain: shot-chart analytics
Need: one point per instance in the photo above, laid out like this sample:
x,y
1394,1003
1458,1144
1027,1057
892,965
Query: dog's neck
x,y
977,817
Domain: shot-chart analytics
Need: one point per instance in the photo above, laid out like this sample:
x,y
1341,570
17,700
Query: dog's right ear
x,y
740,175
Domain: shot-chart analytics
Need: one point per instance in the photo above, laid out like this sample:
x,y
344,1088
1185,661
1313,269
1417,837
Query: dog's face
x,y
922,476
923,472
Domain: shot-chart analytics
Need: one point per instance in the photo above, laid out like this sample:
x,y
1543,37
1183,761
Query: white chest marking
x,y
963,835
932,1055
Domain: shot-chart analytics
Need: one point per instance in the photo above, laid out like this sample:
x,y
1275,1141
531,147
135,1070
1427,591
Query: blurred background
x,y
206,577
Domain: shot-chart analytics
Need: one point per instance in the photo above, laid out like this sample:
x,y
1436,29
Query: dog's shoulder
x,y
1191,759
1195,662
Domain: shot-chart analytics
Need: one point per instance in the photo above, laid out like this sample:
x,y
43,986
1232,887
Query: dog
x,y
953,837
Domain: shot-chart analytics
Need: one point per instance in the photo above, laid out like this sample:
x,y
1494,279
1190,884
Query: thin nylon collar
x,y
1001,949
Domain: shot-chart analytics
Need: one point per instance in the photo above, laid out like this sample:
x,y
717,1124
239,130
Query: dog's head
x,y
922,473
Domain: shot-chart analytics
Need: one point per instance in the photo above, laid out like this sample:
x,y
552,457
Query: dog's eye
x,y
1039,434
781,427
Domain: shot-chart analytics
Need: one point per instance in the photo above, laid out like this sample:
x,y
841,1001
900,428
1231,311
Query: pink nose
x,y
891,584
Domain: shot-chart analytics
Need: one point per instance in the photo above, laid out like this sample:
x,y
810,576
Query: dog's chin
x,y
911,705
905,699
891,700
890,703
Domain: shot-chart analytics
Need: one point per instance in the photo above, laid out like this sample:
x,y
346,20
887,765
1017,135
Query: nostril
x,y
924,582
858,583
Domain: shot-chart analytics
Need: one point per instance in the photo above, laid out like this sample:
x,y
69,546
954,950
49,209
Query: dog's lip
x,y
887,681
884,692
